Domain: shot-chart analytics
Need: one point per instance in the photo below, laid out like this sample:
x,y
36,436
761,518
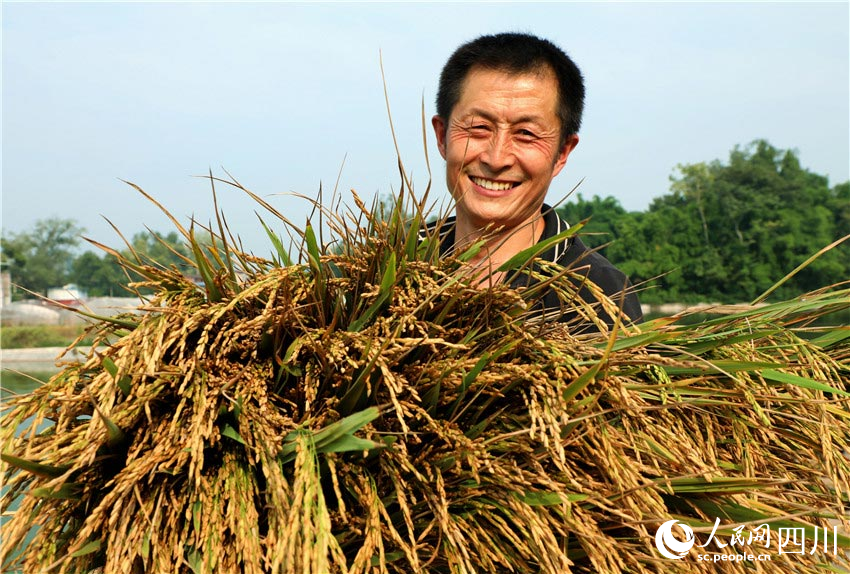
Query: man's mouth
x,y
491,184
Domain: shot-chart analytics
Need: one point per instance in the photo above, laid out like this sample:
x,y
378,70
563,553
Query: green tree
x,y
165,249
607,219
839,205
103,276
763,215
158,249
729,231
99,275
42,257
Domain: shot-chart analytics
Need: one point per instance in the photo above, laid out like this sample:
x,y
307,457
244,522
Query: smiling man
x,y
508,113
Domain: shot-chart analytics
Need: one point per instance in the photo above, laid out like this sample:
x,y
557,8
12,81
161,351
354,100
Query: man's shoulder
x,y
573,253
594,265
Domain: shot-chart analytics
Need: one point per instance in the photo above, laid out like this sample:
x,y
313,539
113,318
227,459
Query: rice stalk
x,y
358,406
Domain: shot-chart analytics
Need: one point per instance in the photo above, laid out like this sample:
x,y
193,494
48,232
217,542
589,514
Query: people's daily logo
x,y
740,547
668,545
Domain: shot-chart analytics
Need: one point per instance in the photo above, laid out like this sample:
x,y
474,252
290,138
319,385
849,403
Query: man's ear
x,y
440,131
564,153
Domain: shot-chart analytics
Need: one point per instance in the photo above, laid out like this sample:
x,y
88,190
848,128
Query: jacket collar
x,y
553,225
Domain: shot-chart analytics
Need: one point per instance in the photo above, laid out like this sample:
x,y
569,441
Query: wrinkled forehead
x,y
540,70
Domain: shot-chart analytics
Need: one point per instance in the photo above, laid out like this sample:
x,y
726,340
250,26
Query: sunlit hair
x,y
515,53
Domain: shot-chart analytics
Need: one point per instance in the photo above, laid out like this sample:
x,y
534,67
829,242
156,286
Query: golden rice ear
x,y
351,404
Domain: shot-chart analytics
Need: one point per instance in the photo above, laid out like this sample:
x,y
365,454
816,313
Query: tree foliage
x,y
166,249
47,257
98,275
727,232
42,257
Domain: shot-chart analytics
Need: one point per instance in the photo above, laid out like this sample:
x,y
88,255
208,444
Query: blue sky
x,y
279,94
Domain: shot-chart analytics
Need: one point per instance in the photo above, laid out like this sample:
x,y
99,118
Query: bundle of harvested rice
x,y
365,409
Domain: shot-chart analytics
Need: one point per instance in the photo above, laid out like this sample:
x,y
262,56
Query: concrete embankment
x,y
41,359
669,309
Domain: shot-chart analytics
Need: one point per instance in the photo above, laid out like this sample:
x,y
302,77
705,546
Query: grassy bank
x,y
26,336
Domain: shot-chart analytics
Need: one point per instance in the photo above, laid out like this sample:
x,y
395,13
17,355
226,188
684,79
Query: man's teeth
x,y
491,185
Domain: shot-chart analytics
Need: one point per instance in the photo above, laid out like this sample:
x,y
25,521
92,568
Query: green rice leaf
x,y
124,384
388,557
335,435
313,252
207,275
230,432
476,370
722,366
578,384
197,510
542,498
637,341
344,426
349,442
282,256
832,338
411,242
471,251
387,284
716,342
45,470
798,381
110,366
724,484
196,560
92,546
146,545
115,436
354,394
523,258
67,491
468,379
388,279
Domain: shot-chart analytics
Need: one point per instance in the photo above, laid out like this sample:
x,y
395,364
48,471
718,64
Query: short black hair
x,y
515,53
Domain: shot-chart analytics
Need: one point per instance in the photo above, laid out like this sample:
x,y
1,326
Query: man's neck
x,y
500,243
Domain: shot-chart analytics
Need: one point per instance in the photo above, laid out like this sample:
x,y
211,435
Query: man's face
x,y
501,146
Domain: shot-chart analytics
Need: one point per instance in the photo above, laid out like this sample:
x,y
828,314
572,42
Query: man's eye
x,y
526,134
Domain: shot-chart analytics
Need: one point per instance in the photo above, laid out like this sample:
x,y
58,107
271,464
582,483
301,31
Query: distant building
x,y
5,289
68,294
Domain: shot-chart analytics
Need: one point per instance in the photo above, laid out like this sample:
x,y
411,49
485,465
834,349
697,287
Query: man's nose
x,y
499,153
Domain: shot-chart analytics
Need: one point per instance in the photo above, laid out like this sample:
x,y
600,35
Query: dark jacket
x,y
574,254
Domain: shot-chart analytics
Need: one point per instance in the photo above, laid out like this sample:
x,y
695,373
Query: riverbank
x,y
41,359
32,336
